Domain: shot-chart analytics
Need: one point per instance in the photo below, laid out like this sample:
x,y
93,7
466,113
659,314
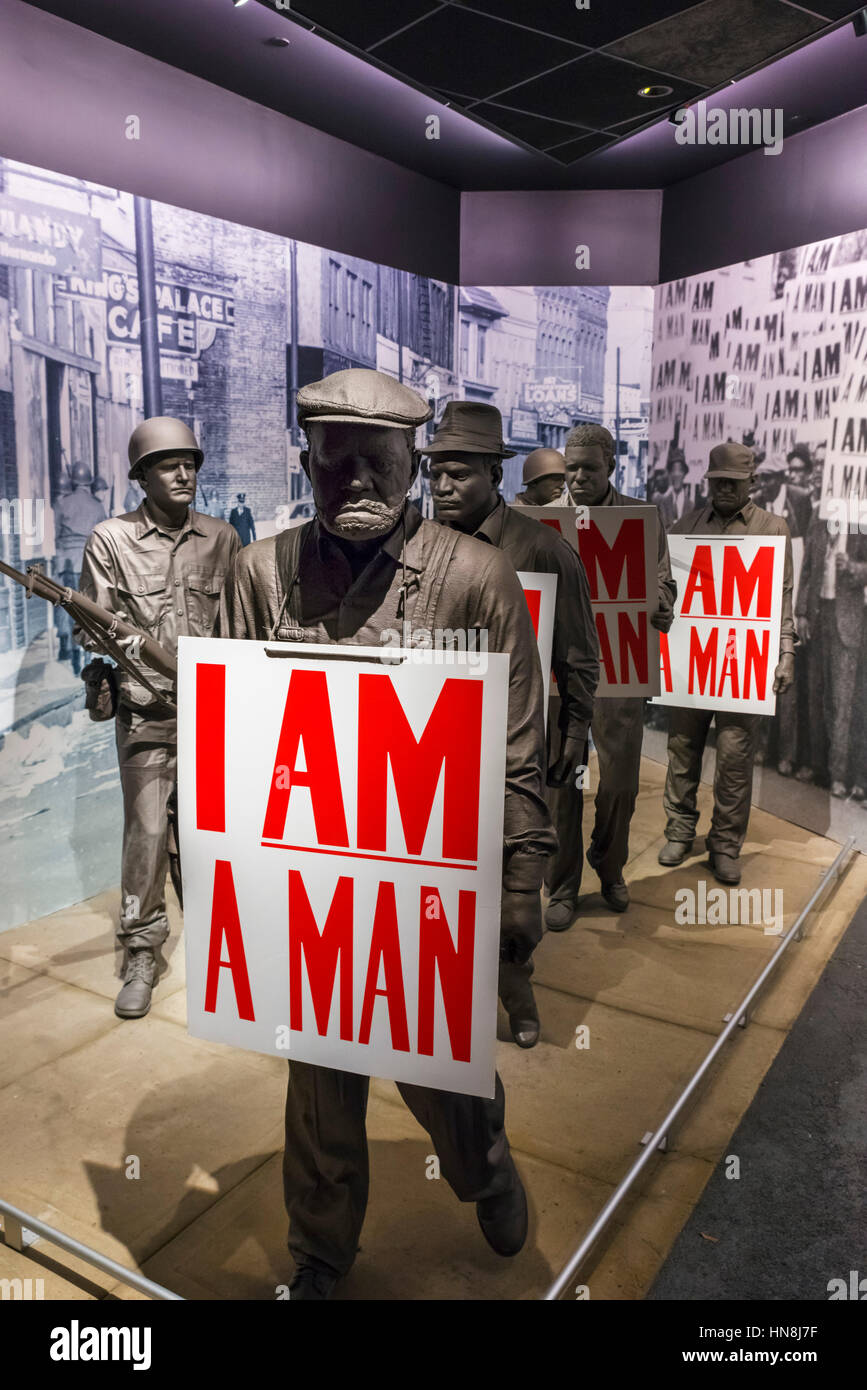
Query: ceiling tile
x,y
597,25
717,39
624,127
467,51
454,98
832,9
533,130
576,149
593,91
366,23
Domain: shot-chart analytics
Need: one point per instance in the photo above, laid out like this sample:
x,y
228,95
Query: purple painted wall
x,y
816,187
65,95
531,238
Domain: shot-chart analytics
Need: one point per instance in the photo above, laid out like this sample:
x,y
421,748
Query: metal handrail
x,y
661,1136
17,1221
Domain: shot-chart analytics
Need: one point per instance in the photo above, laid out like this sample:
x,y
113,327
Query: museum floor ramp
x,y
164,1151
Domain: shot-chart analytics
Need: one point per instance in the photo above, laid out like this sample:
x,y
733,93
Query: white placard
x,y
619,549
540,591
724,643
341,826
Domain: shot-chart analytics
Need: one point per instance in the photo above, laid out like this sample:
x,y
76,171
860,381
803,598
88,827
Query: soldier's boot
x,y
134,999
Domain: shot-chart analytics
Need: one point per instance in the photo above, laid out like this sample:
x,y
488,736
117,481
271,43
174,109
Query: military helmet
x,y
79,473
543,463
161,434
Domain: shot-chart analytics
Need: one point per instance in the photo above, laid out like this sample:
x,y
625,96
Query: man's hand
x,y
661,620
562,772
803,626
785,673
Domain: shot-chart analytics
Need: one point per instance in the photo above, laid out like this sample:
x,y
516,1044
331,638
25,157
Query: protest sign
x,y
540,591
618,546
723,646
341,824
844,476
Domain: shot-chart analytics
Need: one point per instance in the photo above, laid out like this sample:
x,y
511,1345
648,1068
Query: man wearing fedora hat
x,y
465,472
730,512
365,566
161,566
617,723
544,479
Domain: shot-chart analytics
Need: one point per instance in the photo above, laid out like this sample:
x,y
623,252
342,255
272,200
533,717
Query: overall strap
x,y
439,548
288,548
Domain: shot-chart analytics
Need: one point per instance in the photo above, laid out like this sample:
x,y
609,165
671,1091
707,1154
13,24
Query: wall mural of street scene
x,y
244,318
773,353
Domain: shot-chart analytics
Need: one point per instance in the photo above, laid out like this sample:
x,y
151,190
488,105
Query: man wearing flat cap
x,y
161,566
465,471
730,512
544,479
362,567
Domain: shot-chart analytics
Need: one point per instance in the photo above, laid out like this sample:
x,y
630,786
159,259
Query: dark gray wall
x,y
815,187
531,238
65,94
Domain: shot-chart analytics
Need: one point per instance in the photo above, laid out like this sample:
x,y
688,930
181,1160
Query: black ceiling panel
x,y
458,48
491,62
603,21
714,40
576,149
624,127
832,9
366,21
533,130
454,98
594,91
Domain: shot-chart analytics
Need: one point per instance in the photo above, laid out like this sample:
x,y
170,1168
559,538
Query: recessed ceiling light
x,y
278,43
658,91
236,3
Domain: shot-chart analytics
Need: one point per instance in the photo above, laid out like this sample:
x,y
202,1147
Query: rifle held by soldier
x,y
106,630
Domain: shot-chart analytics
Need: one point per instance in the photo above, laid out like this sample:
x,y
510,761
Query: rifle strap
x,y
116,652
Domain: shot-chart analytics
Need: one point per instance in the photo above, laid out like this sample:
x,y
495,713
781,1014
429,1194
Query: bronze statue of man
x,y
465,471
364,566
163,567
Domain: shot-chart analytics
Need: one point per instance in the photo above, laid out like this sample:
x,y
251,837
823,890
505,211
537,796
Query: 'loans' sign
x,y
618,546
724,644
341,823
